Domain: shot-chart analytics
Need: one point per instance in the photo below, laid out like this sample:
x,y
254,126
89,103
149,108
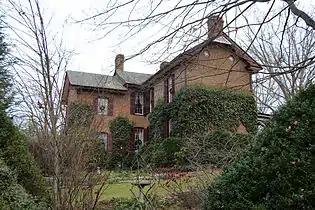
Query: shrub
x,y
15,154
216,148
160,154
120,129
12,194
278,171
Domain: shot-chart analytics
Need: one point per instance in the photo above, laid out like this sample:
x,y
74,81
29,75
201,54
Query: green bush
x,y
160,154
12,194
127,204
15,154
278,171
216,148
120,129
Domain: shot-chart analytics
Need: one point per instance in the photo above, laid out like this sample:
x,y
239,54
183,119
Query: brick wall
x,y
211,71
121,107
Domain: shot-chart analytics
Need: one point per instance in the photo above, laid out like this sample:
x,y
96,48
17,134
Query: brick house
x,y
216,62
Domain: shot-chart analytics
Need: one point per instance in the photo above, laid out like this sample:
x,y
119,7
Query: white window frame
x,y
141,98
102,102
139,136
170,91
104,137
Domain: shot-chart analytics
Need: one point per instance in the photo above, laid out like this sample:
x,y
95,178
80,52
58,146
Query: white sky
x,y
92,55
97,56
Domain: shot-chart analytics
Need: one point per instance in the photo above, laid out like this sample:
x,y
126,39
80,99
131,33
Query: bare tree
x,y
177,25
41,61
288,61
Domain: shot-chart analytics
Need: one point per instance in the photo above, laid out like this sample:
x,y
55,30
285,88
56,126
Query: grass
x,y
161,188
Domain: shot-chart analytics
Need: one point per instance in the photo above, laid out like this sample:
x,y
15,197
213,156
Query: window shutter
x,y
95,103
173,86
109,142
145,135
132,139
110,106
146,107
166,91
132,102
166,131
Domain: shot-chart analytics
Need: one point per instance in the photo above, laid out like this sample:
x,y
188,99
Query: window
x,y
104,137
151,99
170,90
139,137
139,103
102,106
231,58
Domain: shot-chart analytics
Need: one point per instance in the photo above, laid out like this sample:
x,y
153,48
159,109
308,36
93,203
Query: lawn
x,y
173,184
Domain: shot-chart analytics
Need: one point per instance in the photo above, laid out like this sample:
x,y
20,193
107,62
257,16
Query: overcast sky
x,y
93,55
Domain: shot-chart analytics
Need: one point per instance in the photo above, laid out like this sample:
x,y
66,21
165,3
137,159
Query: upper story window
x,y
151,99
139,138
102,106
139,103
169,89
104,137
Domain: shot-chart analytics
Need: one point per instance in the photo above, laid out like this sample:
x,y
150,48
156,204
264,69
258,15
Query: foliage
x,y
126,203
101,156
120,129
80,115
12,194
278,171
216,148
15,154
199,109
5,77
13,146
160,154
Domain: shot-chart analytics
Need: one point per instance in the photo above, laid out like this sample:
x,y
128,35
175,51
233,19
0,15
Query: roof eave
x,y
103,88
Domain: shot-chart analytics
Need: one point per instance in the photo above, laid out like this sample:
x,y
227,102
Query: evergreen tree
x,y
13,146
278,172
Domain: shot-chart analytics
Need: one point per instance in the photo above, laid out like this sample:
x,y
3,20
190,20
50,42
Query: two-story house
x,y
216,62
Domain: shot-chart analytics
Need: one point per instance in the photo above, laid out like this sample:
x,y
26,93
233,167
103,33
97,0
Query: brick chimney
x,y
215,26
119,62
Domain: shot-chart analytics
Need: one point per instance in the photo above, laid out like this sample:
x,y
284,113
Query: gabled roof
x,y
133,77
242,53
222,39
94,80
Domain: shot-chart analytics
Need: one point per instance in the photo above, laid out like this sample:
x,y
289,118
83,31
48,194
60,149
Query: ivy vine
x,y
199,109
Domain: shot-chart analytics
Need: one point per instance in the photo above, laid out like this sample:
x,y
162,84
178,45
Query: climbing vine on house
x,y
199,109
205,120
80,115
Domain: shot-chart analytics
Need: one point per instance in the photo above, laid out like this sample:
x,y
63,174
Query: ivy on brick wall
x,y
200,109
80,115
